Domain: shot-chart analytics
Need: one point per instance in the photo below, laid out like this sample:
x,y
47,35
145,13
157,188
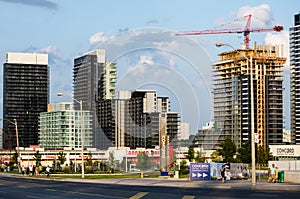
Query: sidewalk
x,y
247,184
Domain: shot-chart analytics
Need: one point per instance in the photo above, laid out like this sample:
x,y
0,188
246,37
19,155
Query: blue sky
x,y
139,36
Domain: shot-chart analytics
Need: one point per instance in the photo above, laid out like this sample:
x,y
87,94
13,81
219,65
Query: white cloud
x,y
146,60
280,39
147,69
171,45
152,21
172,62
139,69
261,15
51,50
98,37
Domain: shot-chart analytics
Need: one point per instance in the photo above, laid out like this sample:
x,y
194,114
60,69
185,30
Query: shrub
x,y
89,169
66,169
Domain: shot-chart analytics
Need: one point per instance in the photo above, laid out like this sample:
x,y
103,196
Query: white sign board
x,y
256,138
285,150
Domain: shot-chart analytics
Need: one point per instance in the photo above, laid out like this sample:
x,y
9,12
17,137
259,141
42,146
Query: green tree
x,y
89,164
111,160
38,158
200,156
227,150
244,153
15,158
191,153
61,157
183,168
90,160
142,161
215,157
263,155
123,164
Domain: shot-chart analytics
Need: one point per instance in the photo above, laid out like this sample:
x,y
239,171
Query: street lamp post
x,y
18,147
81,132
252,111
17,138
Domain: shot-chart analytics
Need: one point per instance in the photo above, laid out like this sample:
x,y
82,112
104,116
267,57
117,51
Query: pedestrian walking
x,y
23,170
40,169
31,170
48,171
227,171
36,170
222,170
27,171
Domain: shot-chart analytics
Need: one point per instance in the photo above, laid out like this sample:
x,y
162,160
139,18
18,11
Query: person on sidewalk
x,y
272,177
222,170
48,171
227,171
31,172
23,170
40,169
36,170
27,171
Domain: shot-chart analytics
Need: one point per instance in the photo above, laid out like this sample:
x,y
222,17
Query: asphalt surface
x,y
16,186
261,185
182,182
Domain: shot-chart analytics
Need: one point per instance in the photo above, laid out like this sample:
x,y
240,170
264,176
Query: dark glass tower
x,y
87,72
295,79
25,96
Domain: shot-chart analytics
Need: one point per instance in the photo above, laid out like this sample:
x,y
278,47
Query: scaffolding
x,y
232,105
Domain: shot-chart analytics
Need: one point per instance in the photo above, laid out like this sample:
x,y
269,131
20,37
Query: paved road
x,y
28,187
191,184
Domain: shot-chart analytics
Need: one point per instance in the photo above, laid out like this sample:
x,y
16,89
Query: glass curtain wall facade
x,y
25,96
106,112
87,72
61,128
295,79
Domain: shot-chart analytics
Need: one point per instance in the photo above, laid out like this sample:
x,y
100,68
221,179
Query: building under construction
x,y
232,94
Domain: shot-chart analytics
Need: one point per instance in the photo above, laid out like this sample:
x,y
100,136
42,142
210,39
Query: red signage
x,y
50,157
34,146
148,152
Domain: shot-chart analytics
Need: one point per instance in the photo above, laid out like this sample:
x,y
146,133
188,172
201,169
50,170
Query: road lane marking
x,y
221,187
139,195
87,194
188,197
33,197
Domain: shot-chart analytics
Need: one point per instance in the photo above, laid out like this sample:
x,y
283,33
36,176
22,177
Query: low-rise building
x,y
62,127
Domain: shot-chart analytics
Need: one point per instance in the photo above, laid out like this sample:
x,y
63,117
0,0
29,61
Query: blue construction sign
x,y
199,171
